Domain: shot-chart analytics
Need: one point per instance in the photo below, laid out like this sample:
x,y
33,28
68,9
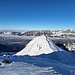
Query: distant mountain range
x,y
50,33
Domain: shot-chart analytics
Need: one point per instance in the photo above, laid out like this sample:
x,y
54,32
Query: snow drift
x,y
39,45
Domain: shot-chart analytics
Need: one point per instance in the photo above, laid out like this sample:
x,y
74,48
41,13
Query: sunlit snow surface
x,y
21,68
39,45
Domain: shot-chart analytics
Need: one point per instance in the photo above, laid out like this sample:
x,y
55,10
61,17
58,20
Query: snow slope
x,y
21,68
39,45
62,62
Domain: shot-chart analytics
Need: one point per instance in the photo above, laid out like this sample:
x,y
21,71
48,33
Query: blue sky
x,y
37,14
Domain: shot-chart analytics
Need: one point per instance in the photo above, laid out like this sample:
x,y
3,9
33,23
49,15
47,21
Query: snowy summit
x,y
39,45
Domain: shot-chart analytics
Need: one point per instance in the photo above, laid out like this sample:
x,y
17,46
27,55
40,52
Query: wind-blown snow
x,y
60,62
39,45
21,68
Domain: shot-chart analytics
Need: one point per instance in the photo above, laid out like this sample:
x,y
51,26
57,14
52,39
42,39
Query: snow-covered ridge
x,y
39,45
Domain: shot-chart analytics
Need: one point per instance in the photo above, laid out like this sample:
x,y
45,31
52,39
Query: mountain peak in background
x,y
39,45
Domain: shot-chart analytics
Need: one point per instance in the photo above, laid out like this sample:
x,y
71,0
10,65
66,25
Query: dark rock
x,y
5,61
0,63
62,46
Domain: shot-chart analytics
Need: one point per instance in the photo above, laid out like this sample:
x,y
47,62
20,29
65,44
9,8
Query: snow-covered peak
x,y
39,45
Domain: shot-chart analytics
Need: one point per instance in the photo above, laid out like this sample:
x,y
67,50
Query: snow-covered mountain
x,y
42,57
39,45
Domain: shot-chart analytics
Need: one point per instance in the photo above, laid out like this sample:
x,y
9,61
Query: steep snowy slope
x,y
39,45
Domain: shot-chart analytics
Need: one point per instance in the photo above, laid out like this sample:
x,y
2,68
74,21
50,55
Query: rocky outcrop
x,y
5,61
